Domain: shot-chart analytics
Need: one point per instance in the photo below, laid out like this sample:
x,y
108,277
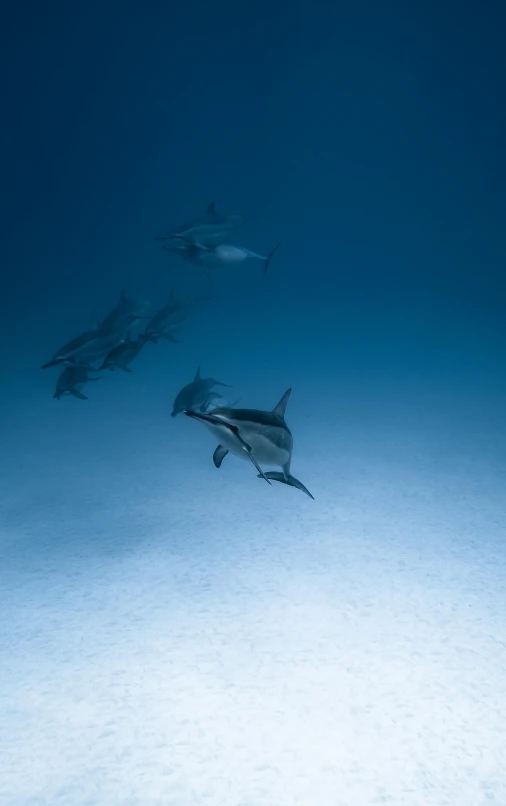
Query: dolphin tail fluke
x,y
269,257
288,479
170,337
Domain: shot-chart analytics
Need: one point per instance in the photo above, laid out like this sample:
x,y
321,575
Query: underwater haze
x,y
174,632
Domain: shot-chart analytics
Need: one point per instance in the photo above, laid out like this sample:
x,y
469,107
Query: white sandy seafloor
x,y
172,634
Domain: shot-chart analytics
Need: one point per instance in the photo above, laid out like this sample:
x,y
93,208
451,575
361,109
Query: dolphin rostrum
x,y
194,394
219,256
212,228
262,437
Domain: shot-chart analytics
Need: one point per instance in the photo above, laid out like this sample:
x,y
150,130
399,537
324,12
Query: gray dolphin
x,y
89,346
123,355
194,394
168,318
72,381
263,437
126,312
212,228
219,256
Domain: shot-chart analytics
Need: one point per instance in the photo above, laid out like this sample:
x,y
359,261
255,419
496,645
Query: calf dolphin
x,y
211,228
219,256
72,381
194,394
261,437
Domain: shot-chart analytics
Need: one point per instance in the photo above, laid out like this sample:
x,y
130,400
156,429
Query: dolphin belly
x,y
227,255
263,449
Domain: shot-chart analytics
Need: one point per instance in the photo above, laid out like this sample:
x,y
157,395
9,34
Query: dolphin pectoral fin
x,y
210,418
54,363
125,369
219,455
269,257
288,479
95,379
78,394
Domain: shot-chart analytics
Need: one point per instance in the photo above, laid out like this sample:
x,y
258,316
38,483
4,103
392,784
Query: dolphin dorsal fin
x,y
197,374
281,406
211,210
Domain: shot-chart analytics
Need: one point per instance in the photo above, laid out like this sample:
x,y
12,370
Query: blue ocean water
x,y
177,634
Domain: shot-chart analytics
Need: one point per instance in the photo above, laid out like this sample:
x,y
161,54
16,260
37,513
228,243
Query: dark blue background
x,y
369,138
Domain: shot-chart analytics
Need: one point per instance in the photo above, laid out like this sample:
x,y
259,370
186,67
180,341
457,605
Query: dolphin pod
x,y
262,438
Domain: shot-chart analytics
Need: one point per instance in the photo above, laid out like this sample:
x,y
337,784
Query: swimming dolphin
x,y
212,228
168,318
72,381
89,346
219,256
122,355
263,437
126,312
194,394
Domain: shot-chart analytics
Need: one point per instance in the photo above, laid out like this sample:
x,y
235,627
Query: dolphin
x,y
212,228
125,313
72,381
168,318
263,437
89,346
194,394
219,256
122,355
